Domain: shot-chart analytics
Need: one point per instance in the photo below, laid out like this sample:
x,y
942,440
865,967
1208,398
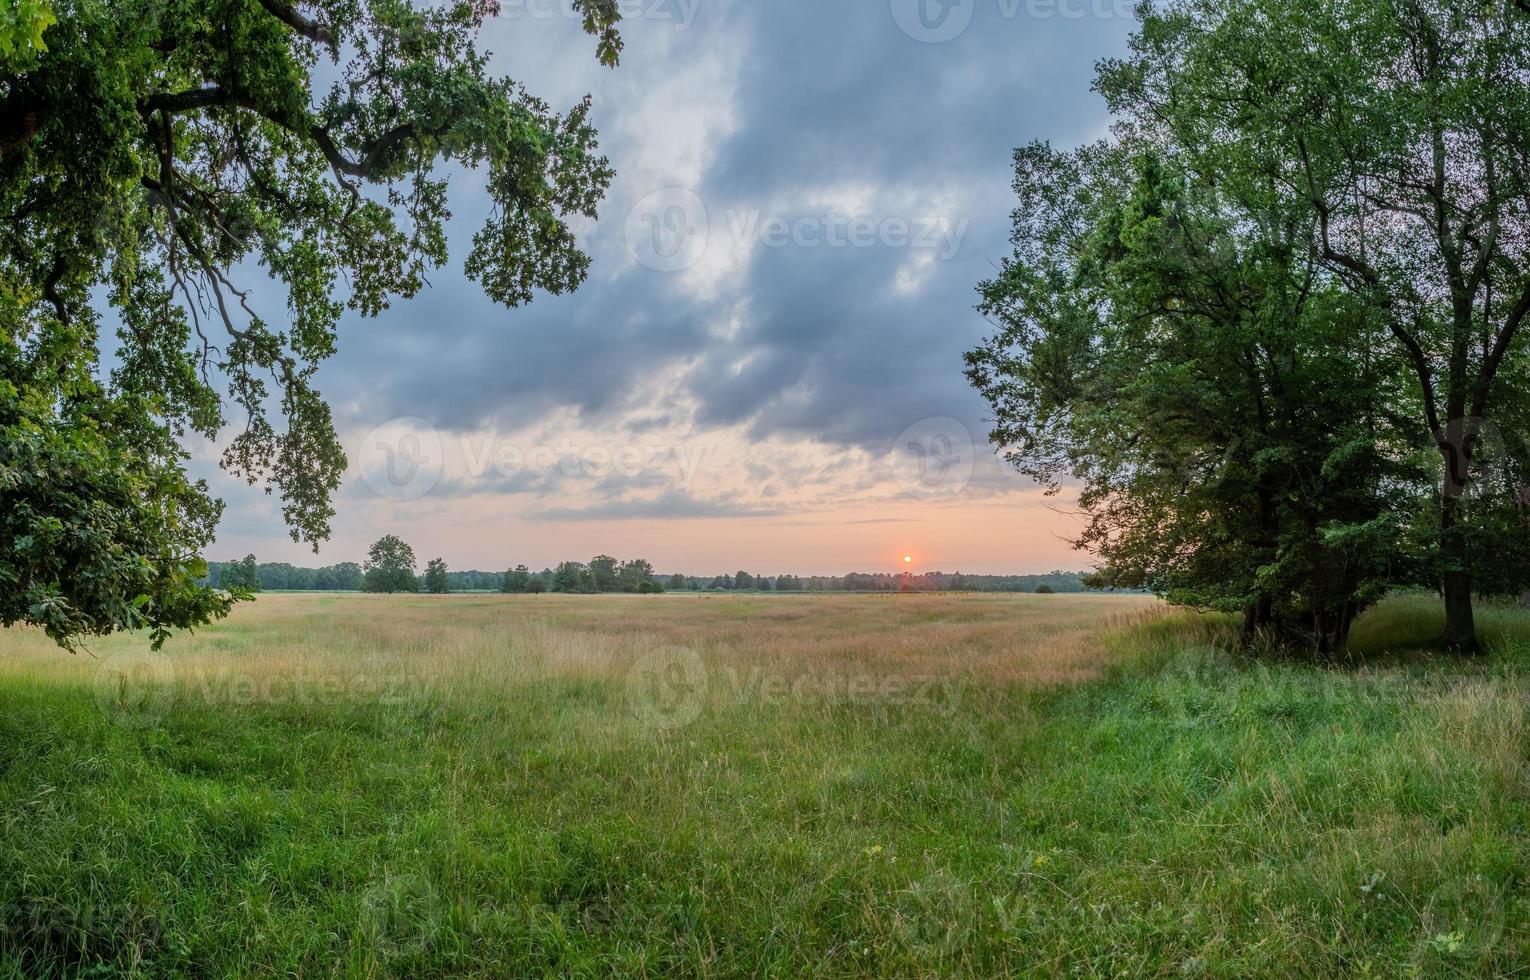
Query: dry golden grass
x,y
353,641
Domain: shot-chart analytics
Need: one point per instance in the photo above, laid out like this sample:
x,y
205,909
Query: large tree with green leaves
x,y
1402,127
170,158
390,566
1164,341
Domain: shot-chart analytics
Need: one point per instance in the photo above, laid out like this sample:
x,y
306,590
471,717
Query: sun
x,y
908,559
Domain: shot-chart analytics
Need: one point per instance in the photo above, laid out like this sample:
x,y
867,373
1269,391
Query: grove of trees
x,y
1273,326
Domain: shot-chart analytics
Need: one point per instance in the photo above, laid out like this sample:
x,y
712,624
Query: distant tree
x,y
435,577
390,567
677,583
636,576
243,574
536,585
571,576
348,576
604,571
517,579
743,580
1045,589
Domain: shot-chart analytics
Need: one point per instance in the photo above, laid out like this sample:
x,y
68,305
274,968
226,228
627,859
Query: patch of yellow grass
x,y
366,645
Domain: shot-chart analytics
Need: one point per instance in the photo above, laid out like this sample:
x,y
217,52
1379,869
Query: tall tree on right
x,y
1403,128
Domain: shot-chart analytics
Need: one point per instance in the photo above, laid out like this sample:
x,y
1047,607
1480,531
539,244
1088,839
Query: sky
x,y
764,368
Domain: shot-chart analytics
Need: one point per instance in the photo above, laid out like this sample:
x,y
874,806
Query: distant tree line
x,y
391,566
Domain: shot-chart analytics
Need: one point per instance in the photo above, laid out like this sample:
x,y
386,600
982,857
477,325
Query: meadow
x,y
836,786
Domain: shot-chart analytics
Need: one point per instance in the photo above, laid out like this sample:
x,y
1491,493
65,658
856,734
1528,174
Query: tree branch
x,y
295,19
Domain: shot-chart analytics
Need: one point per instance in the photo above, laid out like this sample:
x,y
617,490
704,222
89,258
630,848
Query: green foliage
x,y
436,581
151,155
605,571
1395,137
1255,321
572,576
390,567
517,579
242,574
100,528
22,23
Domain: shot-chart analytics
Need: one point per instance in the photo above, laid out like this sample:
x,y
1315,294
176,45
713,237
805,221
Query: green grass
x,y
1185,812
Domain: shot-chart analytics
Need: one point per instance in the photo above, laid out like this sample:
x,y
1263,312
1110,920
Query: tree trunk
x,y
1456,582
1256,619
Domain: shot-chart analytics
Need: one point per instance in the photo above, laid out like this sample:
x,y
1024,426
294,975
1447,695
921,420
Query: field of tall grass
x,y
833,786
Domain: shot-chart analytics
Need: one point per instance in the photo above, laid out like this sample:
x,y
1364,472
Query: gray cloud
x,y
671,505
827,94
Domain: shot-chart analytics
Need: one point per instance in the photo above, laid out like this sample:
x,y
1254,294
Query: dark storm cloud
x,y
846,344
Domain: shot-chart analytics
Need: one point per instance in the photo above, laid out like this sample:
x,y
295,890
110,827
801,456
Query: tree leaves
x,y
154,153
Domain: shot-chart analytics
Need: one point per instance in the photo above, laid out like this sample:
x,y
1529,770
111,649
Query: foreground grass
x,y
850,786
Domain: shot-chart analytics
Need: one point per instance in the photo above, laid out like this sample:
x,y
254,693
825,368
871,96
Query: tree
x,y
1402,130
605,572
348,576
677,583
1163,340
150,156
571,576
637,576
243,574
536,585
390,567
517,579
743,580
435,577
